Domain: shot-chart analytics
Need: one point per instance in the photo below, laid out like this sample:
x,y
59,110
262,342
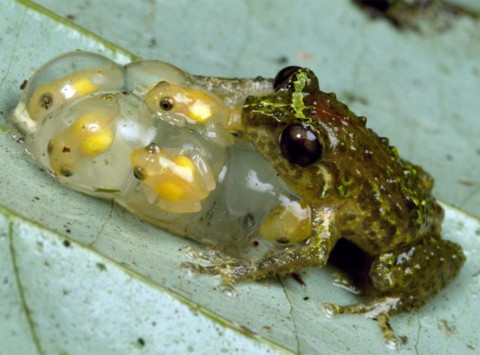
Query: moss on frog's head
x,y
286,104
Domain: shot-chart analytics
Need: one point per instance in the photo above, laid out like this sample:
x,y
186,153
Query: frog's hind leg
x,y
405,279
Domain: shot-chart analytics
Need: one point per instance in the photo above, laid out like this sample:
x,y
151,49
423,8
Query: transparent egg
x,y
63,80
142,76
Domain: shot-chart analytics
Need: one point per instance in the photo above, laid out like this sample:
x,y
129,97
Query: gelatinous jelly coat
x,y
157,142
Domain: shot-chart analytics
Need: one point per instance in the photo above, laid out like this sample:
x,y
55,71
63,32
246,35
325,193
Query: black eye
x,y
166,103
284,76
46,101
139,173
300,145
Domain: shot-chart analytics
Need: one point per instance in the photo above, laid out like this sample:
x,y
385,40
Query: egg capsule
x,y
179,182
288,223
196,106
63,80
142,76
90,135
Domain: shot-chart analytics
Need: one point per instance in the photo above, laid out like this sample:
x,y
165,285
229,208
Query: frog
x,y
270,176
359,190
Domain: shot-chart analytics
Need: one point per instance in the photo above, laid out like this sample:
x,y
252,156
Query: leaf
x,y
81,275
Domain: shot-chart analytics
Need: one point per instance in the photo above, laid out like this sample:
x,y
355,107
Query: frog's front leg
x,y
405,279
313,253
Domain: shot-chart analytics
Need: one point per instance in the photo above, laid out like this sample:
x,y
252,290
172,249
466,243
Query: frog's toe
x,y
378,310
228,288
389,337
226,271
190,268
208,254
214,270
202,255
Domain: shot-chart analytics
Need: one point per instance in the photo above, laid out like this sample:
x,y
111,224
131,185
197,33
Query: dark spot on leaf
x,y
24,84
282,60
466,182
152,43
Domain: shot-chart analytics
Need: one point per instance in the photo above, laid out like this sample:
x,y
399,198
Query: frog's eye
x,y
166,104
284,76
300,145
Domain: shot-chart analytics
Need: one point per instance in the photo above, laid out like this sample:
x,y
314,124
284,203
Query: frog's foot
x,y
233,270
378,310
229,269
207,254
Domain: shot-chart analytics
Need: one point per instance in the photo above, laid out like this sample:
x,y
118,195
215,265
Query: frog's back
x,y
388,199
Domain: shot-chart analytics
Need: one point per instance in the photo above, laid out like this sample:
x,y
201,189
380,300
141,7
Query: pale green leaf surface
x,y
56,298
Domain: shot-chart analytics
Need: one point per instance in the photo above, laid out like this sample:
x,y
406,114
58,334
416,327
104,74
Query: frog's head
x,y
304,133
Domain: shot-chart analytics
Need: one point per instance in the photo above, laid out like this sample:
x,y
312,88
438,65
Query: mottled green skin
x,y
360,190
